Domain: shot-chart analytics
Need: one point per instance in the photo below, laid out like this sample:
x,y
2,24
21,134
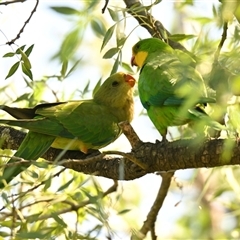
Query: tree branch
x,y
153,26
159,156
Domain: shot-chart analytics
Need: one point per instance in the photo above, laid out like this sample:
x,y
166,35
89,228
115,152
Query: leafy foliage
x,y
47,203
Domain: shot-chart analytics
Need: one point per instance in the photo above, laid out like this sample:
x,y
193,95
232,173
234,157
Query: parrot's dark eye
x,y
115,83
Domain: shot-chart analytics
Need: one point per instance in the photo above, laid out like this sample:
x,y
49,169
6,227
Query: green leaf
x,y
40,164
13,69
73,67
5,197
115,65
64,186
113,14
98,27
58,220
25,59
64,68
29,50
20,48
25,96
65,10
30,235
121,39
127,67
179,37
110,53
124,211
10,54
70,44
86,88
27,71
108,36
32,173
47,184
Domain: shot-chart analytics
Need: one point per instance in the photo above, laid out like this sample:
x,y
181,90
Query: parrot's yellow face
x,y
139,58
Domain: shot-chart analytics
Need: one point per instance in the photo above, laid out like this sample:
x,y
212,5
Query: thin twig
x,y
220,45
149,224
24,25
12,2
105,6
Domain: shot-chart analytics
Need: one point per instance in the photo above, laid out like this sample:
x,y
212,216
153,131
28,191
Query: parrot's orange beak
x,y
130,80
133,62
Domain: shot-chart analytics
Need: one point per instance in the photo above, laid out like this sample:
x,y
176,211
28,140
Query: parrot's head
x,y
116,90
144,48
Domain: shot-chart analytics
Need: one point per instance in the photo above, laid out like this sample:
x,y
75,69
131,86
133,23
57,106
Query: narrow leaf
x,y
98,27
65,10
64,68
25,59
127,67
115,66
113,15
73,67
29,50
10,54
64,186
13,69
20,48
108,36
27,71
110,53
179,37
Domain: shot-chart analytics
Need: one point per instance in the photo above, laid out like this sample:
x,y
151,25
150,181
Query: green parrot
x,y
75,125
170,88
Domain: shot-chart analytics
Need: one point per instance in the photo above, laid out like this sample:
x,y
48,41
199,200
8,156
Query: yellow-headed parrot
x,y
170,88
80,125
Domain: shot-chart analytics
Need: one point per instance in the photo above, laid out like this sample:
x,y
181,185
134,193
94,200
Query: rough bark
x,y
159,156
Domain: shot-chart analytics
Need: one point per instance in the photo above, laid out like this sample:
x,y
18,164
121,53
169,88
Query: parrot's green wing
x,y
166,83
88,121
75,125
85,120
33,146
170,88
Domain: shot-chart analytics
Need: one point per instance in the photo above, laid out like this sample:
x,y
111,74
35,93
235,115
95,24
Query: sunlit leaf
x,y
64,68
25,59
70,44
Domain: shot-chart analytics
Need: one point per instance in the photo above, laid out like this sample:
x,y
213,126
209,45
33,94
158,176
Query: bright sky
x,y
46,30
